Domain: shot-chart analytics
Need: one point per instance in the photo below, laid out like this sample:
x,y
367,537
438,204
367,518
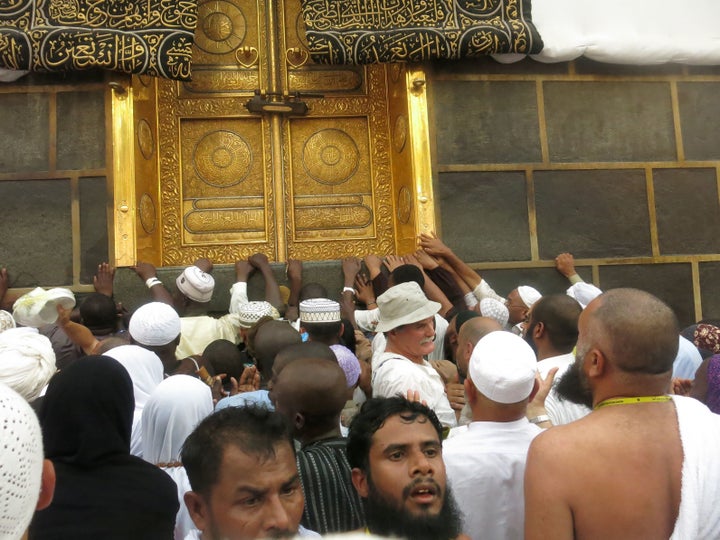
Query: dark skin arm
x,y
272,292
159,293
294,274
103,279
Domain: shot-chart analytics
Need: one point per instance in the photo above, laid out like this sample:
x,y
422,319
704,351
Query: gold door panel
x,y
224,181
213,179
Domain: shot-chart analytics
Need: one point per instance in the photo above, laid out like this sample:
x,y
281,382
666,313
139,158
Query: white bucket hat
x,y
39,307
402,304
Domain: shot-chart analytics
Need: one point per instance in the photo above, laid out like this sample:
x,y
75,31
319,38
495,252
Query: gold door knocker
x,y
297,57
247,57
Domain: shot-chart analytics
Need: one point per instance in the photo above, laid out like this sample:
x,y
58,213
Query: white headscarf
x,y
27,361
21,459
174,409
146,371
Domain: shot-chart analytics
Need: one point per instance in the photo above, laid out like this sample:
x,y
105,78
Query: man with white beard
x,y
406,317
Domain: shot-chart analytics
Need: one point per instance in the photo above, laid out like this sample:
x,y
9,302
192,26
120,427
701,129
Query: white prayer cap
x,y
21,460
319,310
154,324
528,295
503,367
490,307
250,313
6,320
27,361
402,304
39,307
196,284
584,293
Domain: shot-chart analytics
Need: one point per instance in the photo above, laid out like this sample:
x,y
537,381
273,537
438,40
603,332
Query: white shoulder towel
x,y
699,515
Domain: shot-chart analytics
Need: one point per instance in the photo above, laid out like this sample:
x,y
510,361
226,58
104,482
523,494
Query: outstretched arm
x,y
435,247
148,274
432,291
272,291
294,274
103,279
78,333
565,264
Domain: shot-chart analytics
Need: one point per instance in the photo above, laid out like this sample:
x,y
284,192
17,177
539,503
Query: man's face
x,y
406,466
415,339
256,496
405,486
516,307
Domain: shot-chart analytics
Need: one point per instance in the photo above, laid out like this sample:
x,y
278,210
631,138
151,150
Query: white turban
x,y
6,320
584,293
528,295
21,460
27,361
490,307
154,324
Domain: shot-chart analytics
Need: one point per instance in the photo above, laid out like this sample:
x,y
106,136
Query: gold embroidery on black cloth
x,y
369,31
150,37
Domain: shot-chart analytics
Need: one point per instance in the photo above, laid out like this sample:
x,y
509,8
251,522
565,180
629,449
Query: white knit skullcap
x,y
6,320
21,462
27,361
249,313
502,367
154,324
584,293
196,284
490,307
528,295
319,310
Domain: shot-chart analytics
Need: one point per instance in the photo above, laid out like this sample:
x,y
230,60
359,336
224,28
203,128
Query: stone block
x,y
484,215
688,213
699,103
486,122
37,232
81,130
24,132
592,213
609,121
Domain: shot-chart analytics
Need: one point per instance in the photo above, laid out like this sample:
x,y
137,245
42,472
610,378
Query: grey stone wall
x,y
615,164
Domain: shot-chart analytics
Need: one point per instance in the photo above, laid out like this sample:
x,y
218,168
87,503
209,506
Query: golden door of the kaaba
x,y
324,162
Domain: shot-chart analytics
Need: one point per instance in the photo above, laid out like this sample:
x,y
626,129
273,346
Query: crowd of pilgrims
x,y
134,408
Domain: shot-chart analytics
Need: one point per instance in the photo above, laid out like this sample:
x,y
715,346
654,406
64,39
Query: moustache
x,y
427,340
426,483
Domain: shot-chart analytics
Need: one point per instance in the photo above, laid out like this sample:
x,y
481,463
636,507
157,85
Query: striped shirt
x,y
331,502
